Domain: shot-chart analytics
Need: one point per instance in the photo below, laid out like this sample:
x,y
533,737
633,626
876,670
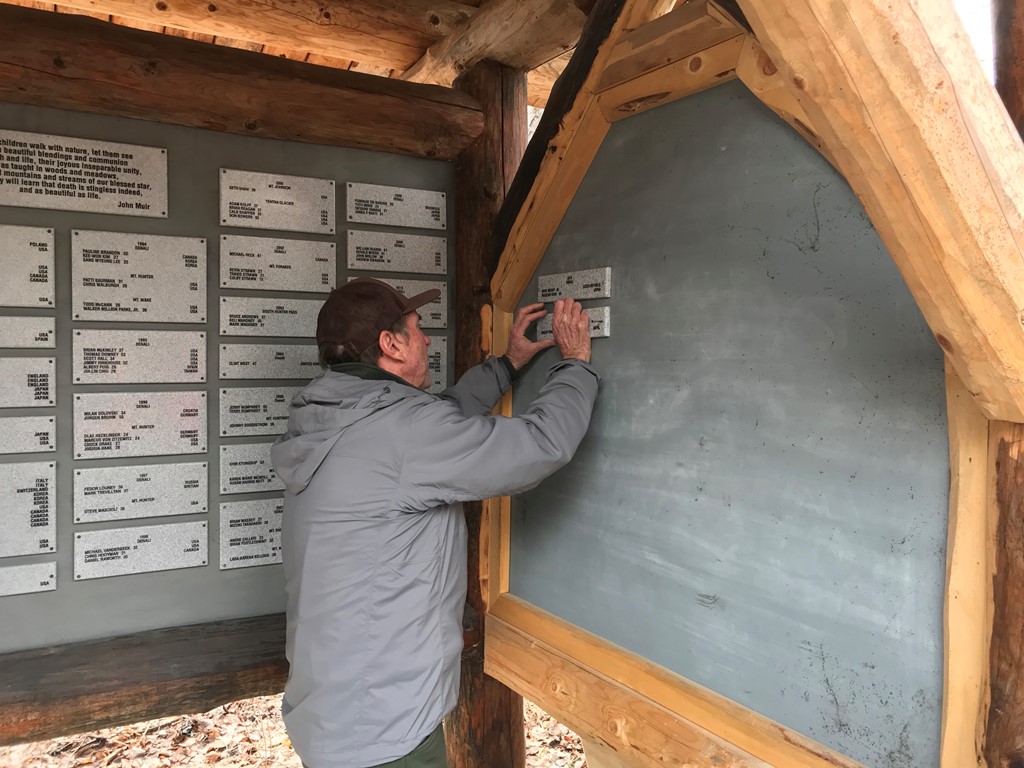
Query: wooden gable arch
x,y
892,95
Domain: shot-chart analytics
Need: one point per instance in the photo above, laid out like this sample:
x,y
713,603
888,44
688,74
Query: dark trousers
x,y
429,754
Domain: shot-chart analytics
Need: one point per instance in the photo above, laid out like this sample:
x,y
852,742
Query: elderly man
x,y
374,536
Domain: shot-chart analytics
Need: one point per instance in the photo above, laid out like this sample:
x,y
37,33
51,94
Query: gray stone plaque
x,y
434,314
69,174
28,511
25,579
142,549
277,264
600,323
113,424
585,284
246,468
250,533
139,357
26,382
268,316
388,252
274,201
437,361
124,277
255,410
269,361
143,490
26,261
397,206
28,332
28,434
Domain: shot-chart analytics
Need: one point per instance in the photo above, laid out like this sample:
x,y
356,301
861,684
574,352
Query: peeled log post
x,y
486,728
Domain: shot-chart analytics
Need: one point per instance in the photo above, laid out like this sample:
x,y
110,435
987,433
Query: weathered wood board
x,y
761,502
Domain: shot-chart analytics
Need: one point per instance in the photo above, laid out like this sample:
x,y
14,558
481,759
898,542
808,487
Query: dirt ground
x,y
243,734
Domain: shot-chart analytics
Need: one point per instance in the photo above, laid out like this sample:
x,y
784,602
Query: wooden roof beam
x,y
71,62
521,34
384,33
925,143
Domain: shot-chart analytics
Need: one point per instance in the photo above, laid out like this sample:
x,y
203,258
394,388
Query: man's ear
x,y
389,345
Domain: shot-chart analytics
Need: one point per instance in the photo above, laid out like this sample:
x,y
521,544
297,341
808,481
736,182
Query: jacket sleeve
x,y
480,388
451,457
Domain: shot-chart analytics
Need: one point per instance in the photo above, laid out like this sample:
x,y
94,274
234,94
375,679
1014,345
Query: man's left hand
x,y
520,349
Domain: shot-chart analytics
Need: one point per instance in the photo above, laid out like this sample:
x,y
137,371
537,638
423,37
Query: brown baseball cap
x,y
355,313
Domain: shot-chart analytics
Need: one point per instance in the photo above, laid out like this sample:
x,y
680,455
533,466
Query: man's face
x,y
417,341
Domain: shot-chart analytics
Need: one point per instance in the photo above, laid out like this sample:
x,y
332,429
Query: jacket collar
x,y
368,372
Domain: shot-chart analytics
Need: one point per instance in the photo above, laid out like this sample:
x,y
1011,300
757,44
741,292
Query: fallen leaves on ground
x,y
242,734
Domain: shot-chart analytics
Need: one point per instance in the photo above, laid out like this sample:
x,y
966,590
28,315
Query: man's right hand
x,y
570,326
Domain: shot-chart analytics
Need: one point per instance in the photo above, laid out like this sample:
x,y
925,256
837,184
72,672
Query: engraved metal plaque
x,y
437,362
139,357
255,410
143,490
585,284
397,206
28,512
276,264
69,174
24,579
28,332
26,261
142,549
388,252
246,469
123,277
272,201
432,315
28,434
110,424
268,316
600,323
27,381
269,361
250,533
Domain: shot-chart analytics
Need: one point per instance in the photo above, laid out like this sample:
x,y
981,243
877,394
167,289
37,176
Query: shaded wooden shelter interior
x,y
888,93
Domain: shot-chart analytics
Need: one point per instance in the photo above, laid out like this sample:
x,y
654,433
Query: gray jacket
x,y
374,543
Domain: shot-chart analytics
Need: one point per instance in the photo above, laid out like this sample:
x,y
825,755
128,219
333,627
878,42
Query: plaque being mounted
x,y
26,382
268,316
28,434
397,206
269,361
600,324
273,201
147,490
437,362
139,357
584,284
276,264
28,512
69,174
142,549
113,424
432,315
255,410
250,533
124,277
246,469
26,261
24,579
28,332
388,252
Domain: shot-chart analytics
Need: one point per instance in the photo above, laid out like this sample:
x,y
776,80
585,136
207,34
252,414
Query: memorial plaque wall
x,y
139,357
26,382
125,277
26,261
114,465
